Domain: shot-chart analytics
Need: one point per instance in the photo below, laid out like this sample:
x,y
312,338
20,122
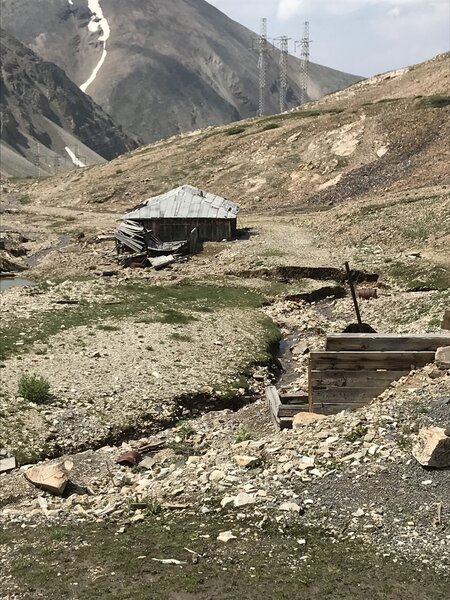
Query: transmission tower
x,y
284,47
262,66
304,44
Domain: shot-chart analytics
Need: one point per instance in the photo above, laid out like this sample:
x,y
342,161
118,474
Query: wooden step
x,y
387,342
372,361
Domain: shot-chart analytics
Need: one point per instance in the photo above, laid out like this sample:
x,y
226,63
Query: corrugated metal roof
x,y
185,202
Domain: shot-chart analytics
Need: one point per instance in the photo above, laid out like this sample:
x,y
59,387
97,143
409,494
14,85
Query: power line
x,y
304,44
284,48
262,66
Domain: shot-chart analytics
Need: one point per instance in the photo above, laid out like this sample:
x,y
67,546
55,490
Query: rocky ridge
x,y
43,113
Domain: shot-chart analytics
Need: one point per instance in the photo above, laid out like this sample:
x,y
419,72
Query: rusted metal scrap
x,y
130,458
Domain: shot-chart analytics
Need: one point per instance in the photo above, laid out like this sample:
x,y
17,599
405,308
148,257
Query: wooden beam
x,y
345,395
349,379
273,403
290,410
333,409
391,361
386,342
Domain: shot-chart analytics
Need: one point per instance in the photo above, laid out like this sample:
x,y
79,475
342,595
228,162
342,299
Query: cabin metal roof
x,y
185,202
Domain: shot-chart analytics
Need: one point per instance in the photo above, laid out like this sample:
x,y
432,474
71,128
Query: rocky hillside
x,y
159,68
388,133
48,124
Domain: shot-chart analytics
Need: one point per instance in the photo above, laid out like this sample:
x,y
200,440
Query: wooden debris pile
x,y
138,247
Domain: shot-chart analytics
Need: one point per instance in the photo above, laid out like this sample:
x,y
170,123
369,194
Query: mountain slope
x,y
169,66
43,113
389,133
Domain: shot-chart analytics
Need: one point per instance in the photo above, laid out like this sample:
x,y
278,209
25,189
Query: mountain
x,y
160,68
47,123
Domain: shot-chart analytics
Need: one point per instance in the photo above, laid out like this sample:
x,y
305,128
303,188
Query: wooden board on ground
x,y
273,404
387,342
392,361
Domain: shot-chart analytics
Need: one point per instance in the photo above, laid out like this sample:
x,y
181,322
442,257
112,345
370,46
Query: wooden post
x,y
355,300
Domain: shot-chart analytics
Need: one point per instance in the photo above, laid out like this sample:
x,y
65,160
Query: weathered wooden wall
x,y
209,230
355,368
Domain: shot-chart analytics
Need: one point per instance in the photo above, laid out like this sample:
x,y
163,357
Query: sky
x,y
364,37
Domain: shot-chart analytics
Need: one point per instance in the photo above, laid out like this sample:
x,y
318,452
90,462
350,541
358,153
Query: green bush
x,y
235,130
437,101
270,126
242,434
34,389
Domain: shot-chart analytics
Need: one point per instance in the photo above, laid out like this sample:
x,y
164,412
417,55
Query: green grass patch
x,y
180,337
421,277
92,560
108,327
270,126
235,130
437,101
176,305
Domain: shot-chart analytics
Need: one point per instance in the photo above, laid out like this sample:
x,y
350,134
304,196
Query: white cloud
x,y
293,8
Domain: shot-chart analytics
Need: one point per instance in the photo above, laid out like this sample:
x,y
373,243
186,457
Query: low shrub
x,y
34,389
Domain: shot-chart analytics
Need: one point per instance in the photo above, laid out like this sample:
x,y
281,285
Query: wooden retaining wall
x,y
355,368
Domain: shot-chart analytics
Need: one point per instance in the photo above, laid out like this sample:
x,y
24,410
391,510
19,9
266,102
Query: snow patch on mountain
x,y
98,22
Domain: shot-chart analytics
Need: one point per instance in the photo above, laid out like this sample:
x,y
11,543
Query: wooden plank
x,y
333,409
290,410
345,395
273,403
348,378
387,342
391,361
310,388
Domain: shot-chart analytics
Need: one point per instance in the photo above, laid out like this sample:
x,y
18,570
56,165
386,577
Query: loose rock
x,y
432,448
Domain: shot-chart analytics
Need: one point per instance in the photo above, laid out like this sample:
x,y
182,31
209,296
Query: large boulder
x,y
446,320
51,477
442,357
305,418
433,447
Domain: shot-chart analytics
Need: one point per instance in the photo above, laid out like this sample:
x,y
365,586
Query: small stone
x,y
226,536
305,418
226,501
246,462
243,499
359,513
7,464
216,476
432,448
290,507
